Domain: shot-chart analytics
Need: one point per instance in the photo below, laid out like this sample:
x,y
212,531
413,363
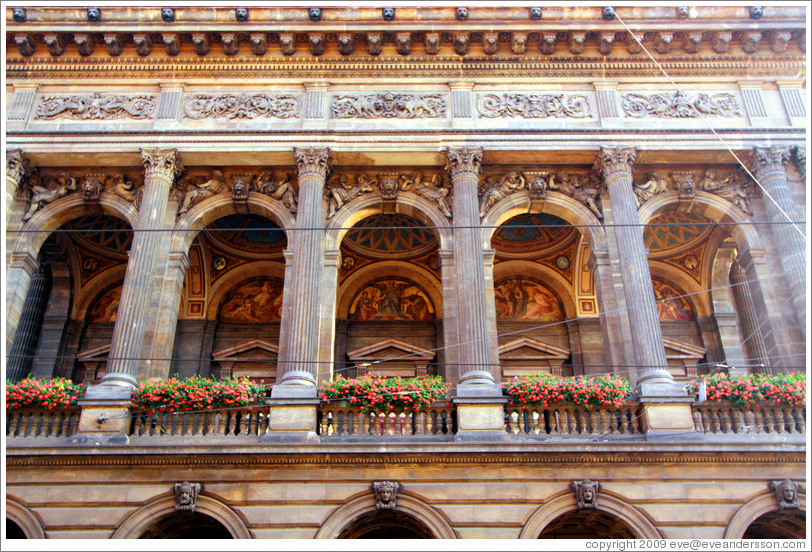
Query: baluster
x,y
324,425
582,420
572,421
770,421
208,422
232,422
245,422
715,422
138,424
594,423
555,422
605,415
221,421
759,421
698,421
779,420
420,423
738,421
750,422
376,423
629,424
64,423
724,419
800,423
13,420
73,424
533,418
266,419
706,419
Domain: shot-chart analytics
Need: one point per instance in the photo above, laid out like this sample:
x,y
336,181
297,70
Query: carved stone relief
x,y
278,188
386,494
186,496
44,190
433,190
800,160
340,192
733,188
654,184
389,105
586,493
97,106
679,106
496,188
685,185
786,494
241,106
92,187
534,106
583,188
200,188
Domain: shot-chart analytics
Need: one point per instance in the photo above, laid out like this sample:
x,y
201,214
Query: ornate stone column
x,y
768,167
16,170
19,271
754,340
21,354
299,335
132,321
166,316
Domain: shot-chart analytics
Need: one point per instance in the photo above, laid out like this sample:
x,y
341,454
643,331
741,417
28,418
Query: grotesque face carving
x,y
19,14
388,14
186,495
314,14
535,13
94,14
586,493
786,494
608,13
386,493
682,12
462,13
241,14
756,12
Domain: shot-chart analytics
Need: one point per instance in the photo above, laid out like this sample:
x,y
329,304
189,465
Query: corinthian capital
x,y
313,160
770,159
616,160
161,163
463,160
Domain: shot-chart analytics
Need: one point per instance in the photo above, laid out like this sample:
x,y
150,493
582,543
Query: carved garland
x,y
241,106
679,106
533,106
97,106
389,105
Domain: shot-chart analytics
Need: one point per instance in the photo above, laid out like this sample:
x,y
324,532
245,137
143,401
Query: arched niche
x,y
27,521
758,506
358,506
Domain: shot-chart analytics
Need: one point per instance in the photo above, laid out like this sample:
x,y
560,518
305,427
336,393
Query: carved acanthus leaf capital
x,y
612,161
770,159
313,160
463,160
165,163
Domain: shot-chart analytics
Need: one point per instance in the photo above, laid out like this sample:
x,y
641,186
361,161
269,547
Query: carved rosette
x,y
161,164
786,494
463,160
679,106
770,160
586,494
97,106
614,162
186,496
389,105
241,106
386,494
534,106
314,161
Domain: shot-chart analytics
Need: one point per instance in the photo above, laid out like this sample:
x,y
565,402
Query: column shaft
x,y
26,337
754,340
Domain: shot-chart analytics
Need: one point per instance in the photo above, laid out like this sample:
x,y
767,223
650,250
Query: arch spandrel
x,y
754,508
27,520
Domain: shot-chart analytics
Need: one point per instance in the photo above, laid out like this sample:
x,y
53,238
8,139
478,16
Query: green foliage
x,y
37,393
196,393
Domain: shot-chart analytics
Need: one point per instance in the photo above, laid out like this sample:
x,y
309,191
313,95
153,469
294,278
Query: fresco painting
x,y
670,304
519,299
258,301
391,300
105,308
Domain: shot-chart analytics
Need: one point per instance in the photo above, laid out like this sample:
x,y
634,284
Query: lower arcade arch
x,y
783,524
588,524
186,525
386,524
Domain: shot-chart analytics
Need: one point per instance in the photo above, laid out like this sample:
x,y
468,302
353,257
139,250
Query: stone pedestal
x,y
480,418
666,415
292,420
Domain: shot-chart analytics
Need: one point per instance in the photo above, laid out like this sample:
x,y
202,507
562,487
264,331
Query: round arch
x,y
552,280
28,521
204,213
57,213
556,204
138,521
364,503
408,204
700,302
91,290
391,269
219,289
750,511
613,504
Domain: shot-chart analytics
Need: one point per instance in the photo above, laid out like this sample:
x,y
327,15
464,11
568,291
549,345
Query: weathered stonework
x,y
388,105
97,106
241,106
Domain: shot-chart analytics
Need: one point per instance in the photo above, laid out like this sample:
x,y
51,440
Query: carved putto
x,y
337,194
97,106
119,185
534,106
186,496
654,184
201,188
786,494
581,187
433,190
680,106
241,106
731,188
586,493
496,189
281,189
389,105
47,189
386,494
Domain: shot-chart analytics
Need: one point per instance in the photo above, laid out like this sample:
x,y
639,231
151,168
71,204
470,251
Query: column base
x,y
667,415
105,416
480,418
292,420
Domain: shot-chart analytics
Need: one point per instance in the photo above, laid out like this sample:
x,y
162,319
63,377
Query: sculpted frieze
x,y
43,190
97,106
388,105
279,188
677,105
653,185
534,106
241,106
345,188
431,189
196,189
735,187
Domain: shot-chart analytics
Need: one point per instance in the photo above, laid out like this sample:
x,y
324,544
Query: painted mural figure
x,y
201,189
518,299
670,306
106,308
253,302
391,300
42,195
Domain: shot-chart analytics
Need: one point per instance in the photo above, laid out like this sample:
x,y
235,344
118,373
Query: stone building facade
x,y
288,194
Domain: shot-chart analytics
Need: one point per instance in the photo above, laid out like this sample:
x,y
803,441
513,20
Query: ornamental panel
x,y
241,106
677,105
388,106
97,106
534,106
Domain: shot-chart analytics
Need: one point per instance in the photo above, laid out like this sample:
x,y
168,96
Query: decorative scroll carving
x,y
345,190
586,493
386,494
582,188
786,494
282,190
534,106
241,106
496,189
677,105
186,496
43,192
655,184
733,188
431,190
389,105
201,188
97,106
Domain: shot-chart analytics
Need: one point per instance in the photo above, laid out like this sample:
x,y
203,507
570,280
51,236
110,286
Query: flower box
x,y
583,391
376,393
753,390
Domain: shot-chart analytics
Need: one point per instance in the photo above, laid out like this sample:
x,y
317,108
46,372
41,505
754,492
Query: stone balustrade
x,y
340,420
231,422
573,420
41,422
713,417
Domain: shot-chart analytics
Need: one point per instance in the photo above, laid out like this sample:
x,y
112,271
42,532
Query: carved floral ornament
x,y
345,188
97,106
196,189
534,106
241,106
677,105
388,105
735,187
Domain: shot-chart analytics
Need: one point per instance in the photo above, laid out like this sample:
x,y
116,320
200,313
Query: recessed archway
x,y
386,524
186,525
784,524
14,531
588,524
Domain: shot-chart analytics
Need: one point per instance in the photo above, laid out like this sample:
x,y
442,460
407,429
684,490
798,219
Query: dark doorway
x,y
588,524
386,524
785,524
186,525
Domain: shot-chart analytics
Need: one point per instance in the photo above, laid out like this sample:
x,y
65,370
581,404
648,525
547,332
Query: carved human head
x,y
94,14
462,13
19,14
683,12
608,13
786,494
756,12
535,13
168,14
314,14
241,14
388,14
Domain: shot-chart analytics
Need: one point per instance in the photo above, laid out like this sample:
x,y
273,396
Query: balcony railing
x,y
573,420
712,417
340,420
41,422
242,422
